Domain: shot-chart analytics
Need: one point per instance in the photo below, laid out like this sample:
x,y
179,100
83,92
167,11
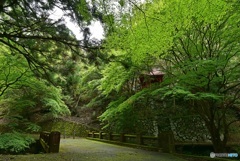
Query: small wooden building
x,y
155,76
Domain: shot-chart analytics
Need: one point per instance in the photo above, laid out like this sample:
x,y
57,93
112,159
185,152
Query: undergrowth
x,y
14,143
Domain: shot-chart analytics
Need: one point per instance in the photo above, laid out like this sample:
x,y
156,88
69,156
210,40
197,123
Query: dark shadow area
x,y
200,150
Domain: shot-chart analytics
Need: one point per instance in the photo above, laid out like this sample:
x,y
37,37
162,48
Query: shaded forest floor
x,y
82,149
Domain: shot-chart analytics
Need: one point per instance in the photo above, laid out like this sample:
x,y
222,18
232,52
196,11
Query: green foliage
x,y
28,96
112,113
37,93
20,124
29,29
184,94
129,114
53,101
153,29
195,43
87,87
32,128
114,77
11,69
15,142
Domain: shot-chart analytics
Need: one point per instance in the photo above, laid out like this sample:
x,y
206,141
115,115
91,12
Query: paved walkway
x,y
89,150
83,150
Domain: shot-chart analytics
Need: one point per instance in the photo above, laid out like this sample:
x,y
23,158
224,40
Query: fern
x,y
56,107
31,127
15,142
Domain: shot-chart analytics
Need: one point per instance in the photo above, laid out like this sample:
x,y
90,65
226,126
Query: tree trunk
x,y
219,147
219,144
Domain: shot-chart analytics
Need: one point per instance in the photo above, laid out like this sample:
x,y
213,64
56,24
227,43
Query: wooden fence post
x,y
166,142
93,134
54,142
74,132
139,139
100,135
110,136
122,137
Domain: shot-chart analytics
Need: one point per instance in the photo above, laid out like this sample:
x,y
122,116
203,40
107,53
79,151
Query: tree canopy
x,y
195,43
28,29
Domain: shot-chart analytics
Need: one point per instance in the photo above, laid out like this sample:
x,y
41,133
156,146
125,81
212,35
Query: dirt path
x,y
88,150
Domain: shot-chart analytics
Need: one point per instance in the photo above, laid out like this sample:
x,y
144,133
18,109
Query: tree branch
x,y
7,85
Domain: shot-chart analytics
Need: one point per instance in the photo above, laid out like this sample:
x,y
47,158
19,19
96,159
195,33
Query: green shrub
x,y
15,142
32,128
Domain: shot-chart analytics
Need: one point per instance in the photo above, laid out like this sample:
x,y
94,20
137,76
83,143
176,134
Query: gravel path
x,y
87,150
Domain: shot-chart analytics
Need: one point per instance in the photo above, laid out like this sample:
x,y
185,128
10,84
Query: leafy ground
x,y
83,149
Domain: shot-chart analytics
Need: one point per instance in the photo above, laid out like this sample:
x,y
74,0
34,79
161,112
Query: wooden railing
x,y
164,141
50,141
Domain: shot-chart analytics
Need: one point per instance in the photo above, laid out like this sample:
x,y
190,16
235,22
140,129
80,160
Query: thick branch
x,y
7,85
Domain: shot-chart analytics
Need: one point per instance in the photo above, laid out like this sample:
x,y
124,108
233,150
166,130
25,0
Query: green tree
x,y
25,102
11,69
30,99
28,29
196,44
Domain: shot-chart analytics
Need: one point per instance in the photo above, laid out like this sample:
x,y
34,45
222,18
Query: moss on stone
x,y
66,128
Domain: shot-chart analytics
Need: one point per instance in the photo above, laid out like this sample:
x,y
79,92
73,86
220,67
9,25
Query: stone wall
x,y
66,128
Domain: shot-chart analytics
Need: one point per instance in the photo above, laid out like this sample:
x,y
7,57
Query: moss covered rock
x,y
66,128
